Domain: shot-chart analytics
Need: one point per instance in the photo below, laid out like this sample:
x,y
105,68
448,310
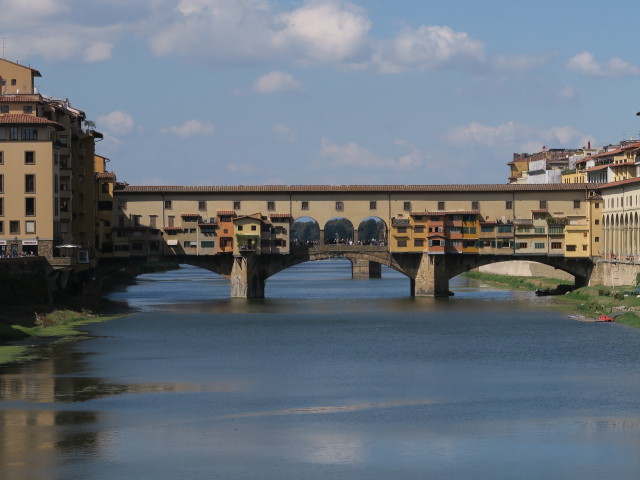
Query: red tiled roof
x,y
506,187
21,98
22,119
599,167
624,164
280,215
621,182
445,212
226,213
190,215
488,222
105,175
171,229
540,210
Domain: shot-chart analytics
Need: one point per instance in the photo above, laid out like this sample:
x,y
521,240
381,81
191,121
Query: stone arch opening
x,y
338,231
305,231
372,231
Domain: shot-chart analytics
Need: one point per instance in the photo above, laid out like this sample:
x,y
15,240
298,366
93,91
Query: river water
x,y
327,378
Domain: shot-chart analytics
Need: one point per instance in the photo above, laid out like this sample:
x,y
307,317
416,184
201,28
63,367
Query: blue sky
x,y
224,92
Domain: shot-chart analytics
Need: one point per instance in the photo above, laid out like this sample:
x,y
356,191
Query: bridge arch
x,y
373,231
339,231
305,231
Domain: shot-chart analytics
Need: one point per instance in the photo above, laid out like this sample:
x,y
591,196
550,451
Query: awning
x,y
68,245
172,243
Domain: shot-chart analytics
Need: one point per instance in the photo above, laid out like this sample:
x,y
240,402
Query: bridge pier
x,y
247,278
432,279
365,269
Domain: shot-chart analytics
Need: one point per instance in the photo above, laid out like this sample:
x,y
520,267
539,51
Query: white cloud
x,y
352,154
276,82
98,52
190,128
118,122
516,137
284,133
586,64
425,48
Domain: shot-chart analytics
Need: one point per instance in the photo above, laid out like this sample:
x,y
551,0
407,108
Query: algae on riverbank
x,y
58,325
587,301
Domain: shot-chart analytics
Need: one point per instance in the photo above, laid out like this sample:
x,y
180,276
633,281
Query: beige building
x,y
504,219
46,172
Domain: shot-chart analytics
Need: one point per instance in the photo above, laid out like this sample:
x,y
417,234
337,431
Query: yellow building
x,y
46,171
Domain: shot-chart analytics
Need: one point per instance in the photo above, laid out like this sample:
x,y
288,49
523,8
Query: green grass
x,y
63,325
511,281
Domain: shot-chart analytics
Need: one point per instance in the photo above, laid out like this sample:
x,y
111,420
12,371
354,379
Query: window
x,y
30,206
487,229
504,228
539,230
167,205
14,226
153,221
402,229
434,243
253,228
207,244
543,204
440,205
13,133
576,204
1,183
508,205
171,220
202,205
596,239
27,109
105,188
4,108
236,205
557,245
402,243
305,206
30,157
1,206
29,134
418,243
339,206
595,205
469,230
522,245
13,82
597,222
240,227
539,245
475,205
419,229
1,227
29,183
406,206
30,226
570,248
1,156
584,248
373,205
136,220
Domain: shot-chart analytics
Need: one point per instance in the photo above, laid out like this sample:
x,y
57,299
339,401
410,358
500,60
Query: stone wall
x,y
25,281
608,273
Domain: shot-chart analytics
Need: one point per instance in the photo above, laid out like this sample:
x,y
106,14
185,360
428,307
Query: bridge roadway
x,y
429,273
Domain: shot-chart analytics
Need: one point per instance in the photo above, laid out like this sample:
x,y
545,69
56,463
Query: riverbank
x,y
22,328
586,302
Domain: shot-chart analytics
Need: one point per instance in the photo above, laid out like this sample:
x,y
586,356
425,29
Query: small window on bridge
x,y
236,205
339,206
508,205
475,205
271,205
440,205
407,206
305,206
373,205
167,204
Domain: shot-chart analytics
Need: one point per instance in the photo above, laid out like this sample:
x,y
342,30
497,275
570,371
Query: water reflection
x,y
327,378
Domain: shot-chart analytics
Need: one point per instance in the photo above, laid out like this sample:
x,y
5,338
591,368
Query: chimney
x,y
589,145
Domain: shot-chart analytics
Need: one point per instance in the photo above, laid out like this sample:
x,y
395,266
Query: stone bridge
x,y
429,274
